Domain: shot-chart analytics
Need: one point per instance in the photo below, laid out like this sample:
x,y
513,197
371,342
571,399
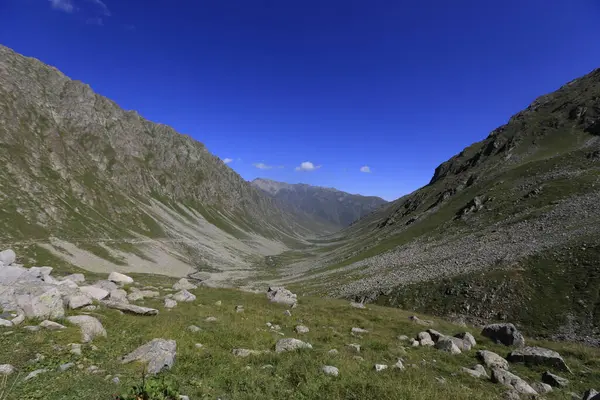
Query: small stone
x,y
90,327
291,344
380,367
402,338
301,329
116,380
75,349
170,303
184,296
287,313
6,369
158,354
441,380
415,343
354,347
35,373
330,370
399,365
194,328
182,397
211,319
243,353
239,309
51,325
199,345
66,366
333,352
358,331
218,303
358,358
478,371
357,305
92,369
184,284
32,328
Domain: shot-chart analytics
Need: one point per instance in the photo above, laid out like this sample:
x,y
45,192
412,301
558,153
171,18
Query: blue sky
x,y
398,86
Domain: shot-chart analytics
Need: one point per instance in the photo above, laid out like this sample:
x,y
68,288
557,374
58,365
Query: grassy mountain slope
x,y
519,211
101,186
334,206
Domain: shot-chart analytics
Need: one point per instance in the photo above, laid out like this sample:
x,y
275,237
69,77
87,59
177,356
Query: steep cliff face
x,y
334,206
78,168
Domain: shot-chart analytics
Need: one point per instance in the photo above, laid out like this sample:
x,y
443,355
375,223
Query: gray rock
x,y
89,308
184,296
507,334
420,321
538,356
90,327
403,338
330,370
51,325
6,369
423,335
301,329
239,309
199,345
75,349
170,303
116,380
512,381
541,388
511,394
435,335
354,347
40,302
193,328
5,323
119,278
554,380
130,308
492,360
32,328
18,320
77,301
462,344
281,295
415,343
7,257
135,295
243,353
158,354
380,367
291,344
77,278
357,305
399,365
427,343
358,331
106,285
467,337
333,352
446,344
184,284
64,367
35,373
211,319
119,295
95,292
477,371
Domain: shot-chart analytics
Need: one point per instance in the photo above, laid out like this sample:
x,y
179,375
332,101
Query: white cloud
x,y
307,166
262,166
227,160
62,5
103,8
365,169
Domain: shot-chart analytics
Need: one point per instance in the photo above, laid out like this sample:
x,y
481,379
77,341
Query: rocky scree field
x,y
70,335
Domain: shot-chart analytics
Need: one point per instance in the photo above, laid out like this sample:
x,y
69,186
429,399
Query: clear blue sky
x,y
399,86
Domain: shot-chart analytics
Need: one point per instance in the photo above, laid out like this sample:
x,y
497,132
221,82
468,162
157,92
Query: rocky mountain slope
x,y
331,205
86,181
508,228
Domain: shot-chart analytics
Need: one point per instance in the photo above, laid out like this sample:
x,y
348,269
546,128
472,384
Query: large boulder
x,y
7,257
77,278
119,278
184,296
554,380
77,301
538,356
158,354
512,381
281,295
492,360
184,284
447,344
95,292
90,327
118,295
507,334
109,286
40,301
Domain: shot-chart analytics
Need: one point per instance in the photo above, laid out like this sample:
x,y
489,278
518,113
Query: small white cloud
x,y
262,166
307,166
101,6
62,5
365,169
227,160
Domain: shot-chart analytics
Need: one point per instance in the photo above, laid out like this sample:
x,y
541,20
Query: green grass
x,y
213,372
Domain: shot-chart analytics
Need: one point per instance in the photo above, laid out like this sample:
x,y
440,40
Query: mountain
x,y
337,207
98,186
509,228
